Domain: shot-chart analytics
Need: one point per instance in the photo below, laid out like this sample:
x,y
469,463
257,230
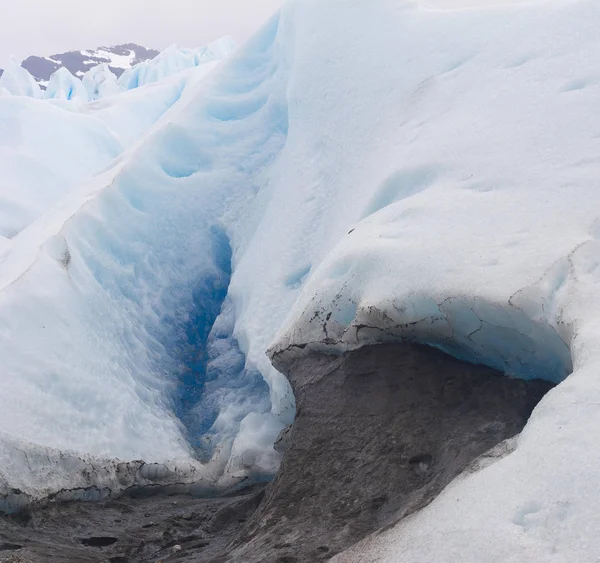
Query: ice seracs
x,y
64,86
18,82
100,82
173,60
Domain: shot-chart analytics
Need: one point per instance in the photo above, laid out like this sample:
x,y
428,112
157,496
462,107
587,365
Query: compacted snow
x,y
358,172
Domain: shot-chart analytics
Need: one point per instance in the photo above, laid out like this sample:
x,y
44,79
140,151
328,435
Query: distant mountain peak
x,y
118,57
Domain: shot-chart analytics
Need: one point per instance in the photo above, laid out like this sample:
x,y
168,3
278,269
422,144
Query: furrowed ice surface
x,y
49,148
118,289
421,173
44,151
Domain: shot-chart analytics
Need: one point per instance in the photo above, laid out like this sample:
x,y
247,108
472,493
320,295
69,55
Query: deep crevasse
x,y
137,270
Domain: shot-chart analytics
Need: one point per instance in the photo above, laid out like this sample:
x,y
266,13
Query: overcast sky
x,y
44,27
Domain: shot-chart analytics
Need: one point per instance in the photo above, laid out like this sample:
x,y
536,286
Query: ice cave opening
x,y
392,413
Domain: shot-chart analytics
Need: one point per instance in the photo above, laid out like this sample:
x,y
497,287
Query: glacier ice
x,y
50,148
173,60
63,85
100,82
137,278
18,82
37,144
420,173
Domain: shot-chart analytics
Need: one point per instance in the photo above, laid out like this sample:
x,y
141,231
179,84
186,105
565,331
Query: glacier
x,y
48,147
427,172
100,82
174,59
63,85
17,81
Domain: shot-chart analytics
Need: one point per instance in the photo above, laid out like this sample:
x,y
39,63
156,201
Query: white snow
x,y
357,172
112,59
116,61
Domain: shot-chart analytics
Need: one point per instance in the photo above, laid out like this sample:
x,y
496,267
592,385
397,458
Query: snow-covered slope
x,y
425,171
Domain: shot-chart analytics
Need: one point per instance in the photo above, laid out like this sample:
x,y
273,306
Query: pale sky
x,y
44,27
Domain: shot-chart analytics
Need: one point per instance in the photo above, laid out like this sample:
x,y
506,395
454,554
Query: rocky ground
x,y
126,530
379,433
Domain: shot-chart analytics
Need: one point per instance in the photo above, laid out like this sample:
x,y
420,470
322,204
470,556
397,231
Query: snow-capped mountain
x,y
100,81
118,58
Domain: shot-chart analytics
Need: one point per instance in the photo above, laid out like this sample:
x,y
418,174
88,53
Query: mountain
x,y
99,80
119,58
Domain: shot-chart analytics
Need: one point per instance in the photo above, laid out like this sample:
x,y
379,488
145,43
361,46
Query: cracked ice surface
x,y
473,330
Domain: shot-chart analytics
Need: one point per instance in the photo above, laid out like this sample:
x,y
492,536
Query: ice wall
x,y
137,265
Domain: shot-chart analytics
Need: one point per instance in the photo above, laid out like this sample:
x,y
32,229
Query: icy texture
x,y
67,476
420,173
44,151
64,86
173,60
100,82
50,148
119,286
18,82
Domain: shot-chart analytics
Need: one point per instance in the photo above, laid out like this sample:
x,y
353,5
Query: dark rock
x,y
379,433
98,541
113,530
283,440
10,546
